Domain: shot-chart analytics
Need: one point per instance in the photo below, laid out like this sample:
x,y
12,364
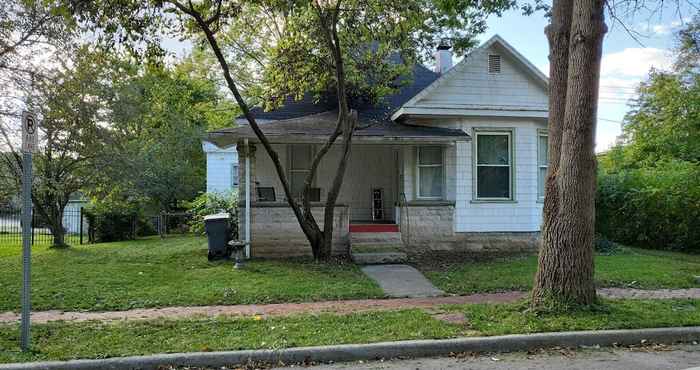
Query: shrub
x,y
655,207
110,226
212,203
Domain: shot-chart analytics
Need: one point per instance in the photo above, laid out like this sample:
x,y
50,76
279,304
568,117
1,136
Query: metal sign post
x,y
30,142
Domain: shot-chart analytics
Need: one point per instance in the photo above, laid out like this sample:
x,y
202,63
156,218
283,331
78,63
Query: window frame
x,y
542,133
418,167
290,167
490,131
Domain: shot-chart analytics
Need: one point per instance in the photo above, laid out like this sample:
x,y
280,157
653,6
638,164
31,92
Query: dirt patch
x,y
445,260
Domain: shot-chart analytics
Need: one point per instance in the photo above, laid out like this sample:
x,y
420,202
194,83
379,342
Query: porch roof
x,y
318,127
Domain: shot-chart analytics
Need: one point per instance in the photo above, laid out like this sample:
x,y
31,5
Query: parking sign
x,y
30,133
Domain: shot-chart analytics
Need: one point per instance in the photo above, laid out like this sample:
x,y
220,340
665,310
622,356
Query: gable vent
x,y
494,63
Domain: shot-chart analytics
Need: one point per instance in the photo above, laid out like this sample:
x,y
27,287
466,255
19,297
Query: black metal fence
x,y
81,227
74,225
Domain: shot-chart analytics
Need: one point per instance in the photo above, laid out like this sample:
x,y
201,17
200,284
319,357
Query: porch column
x,y
246,152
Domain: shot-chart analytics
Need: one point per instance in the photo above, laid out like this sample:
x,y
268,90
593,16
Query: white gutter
x,y
247,198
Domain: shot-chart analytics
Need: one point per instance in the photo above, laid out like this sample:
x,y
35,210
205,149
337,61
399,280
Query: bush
x,y
655,207
110,220
111,226
212,203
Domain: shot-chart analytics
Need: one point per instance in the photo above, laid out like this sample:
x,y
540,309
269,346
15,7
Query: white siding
x,y
370,166
219,167
525,212
471,86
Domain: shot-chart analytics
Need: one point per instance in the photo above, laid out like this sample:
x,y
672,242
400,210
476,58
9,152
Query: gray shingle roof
x,y
421,77
318,127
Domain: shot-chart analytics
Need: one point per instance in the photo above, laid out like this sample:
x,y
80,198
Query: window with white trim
x,y
430,172
542,161
494,165
300,158
234,175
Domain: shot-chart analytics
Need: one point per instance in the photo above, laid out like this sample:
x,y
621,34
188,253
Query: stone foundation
x,y
429,227
275,232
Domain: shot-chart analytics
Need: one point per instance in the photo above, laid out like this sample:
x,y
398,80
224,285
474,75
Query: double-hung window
x,y
542,162
494,164
300,157
430,180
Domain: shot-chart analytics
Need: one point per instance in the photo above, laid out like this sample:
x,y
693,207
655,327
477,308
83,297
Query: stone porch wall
x,y
429,226
275,232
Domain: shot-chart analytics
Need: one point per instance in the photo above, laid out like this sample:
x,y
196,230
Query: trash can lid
x,y
216,216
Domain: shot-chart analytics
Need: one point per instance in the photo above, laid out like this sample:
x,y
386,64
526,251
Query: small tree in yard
x,y
69,101
342,47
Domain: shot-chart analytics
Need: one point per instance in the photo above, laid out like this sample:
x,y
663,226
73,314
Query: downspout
x,y
247,198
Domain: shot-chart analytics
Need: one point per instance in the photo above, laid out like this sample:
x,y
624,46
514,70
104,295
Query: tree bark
x,y
320,241
565,269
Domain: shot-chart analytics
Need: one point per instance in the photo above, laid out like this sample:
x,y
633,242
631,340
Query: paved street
x,y
675,358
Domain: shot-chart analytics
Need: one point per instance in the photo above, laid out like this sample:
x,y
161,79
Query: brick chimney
x,y
443,57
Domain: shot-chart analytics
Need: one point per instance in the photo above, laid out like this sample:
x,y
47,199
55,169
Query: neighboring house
x,y
454,161
71,214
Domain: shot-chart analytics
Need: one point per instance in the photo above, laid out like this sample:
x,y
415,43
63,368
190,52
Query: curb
x,y
356,352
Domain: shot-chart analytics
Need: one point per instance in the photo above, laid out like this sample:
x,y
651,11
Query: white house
x,y
455,160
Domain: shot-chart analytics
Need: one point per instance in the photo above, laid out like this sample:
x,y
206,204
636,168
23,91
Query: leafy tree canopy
x,y
278,49
159,116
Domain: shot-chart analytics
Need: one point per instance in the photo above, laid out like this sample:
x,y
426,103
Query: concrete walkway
x,y
335,307
400,281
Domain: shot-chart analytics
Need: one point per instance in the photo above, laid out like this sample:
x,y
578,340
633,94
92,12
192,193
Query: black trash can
x,y
217,228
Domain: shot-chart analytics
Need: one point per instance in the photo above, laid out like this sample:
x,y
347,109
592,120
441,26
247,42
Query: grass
x,y
170,272
63,341
631,267
501,319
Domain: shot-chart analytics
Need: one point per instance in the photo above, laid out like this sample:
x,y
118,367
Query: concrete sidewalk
x,y
402,281
337,307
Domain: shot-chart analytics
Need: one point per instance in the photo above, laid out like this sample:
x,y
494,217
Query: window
x,y
494,63
430,172
234,175
542,161
300,157
494,165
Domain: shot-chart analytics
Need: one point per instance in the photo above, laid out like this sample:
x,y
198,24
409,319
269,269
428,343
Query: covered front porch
x,y
391,167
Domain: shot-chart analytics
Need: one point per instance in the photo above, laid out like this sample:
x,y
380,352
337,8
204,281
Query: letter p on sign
x,y
30,133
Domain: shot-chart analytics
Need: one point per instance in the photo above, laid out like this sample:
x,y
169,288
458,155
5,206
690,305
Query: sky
x,y
625,61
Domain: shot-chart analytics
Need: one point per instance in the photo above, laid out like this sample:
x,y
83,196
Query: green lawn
x,y
174,271
62,341
631,267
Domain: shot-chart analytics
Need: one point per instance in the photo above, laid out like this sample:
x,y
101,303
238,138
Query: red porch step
x,y
374,228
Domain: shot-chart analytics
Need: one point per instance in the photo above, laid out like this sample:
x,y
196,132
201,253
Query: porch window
x,y
494,165
430,172
300,158
542,161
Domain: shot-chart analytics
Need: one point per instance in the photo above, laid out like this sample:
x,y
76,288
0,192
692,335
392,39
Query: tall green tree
x,y
70,102
159,116
318,46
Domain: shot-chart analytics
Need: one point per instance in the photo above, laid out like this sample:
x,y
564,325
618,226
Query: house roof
x,y
421,77
318,127
528,67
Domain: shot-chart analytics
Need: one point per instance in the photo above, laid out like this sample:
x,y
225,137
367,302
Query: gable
x,y
469,88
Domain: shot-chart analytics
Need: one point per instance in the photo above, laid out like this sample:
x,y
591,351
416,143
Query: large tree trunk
x,y
565,270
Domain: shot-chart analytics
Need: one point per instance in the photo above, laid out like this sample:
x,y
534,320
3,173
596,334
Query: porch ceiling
x,y
318,127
